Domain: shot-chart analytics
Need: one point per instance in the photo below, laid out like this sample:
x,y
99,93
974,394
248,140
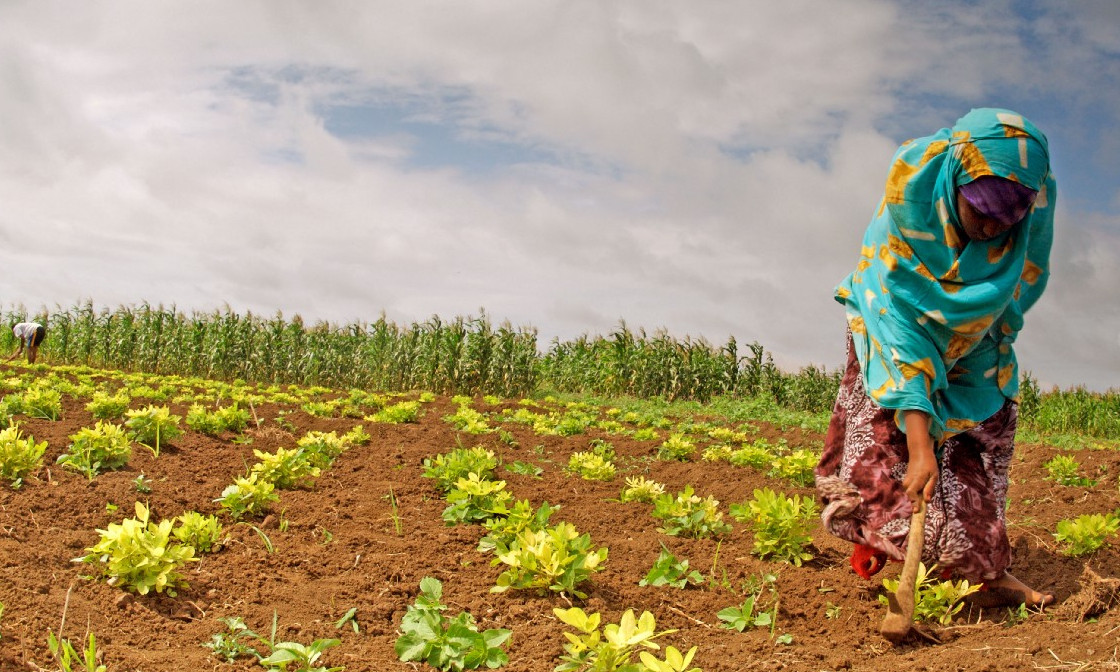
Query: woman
x,y
30,334
956,253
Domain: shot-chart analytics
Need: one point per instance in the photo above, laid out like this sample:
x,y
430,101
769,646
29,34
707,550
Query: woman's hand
x,y
921,471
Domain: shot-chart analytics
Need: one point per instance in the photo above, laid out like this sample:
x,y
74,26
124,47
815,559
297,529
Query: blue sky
x,y
704,167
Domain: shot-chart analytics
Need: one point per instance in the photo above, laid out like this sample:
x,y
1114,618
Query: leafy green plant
x,y
405,411
67,657
688,515
248,496
18,456
230,644
796,467
934,600
94,449
468,420
641,489
449,467
474,500
287,468
40,401
590,466
610,650
1063,470
674,661
524,469
202,533
447,643
140,554
556,558
501,531
755,456
142,484
230,418
105,406
782,525
751,614
152,425
676,447
1088,532
322,448
667,570
304,656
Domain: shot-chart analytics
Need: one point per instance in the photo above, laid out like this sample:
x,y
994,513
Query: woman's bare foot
x,y
1010,591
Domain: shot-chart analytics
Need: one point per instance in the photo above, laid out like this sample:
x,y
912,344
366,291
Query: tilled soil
x,y
336,546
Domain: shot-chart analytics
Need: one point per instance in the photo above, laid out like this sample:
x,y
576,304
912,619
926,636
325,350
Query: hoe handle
x,y
897,623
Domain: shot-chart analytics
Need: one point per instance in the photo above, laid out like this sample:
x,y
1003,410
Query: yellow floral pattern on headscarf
x,y
932,313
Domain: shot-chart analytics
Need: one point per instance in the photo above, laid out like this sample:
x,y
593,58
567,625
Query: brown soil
x,y
340,550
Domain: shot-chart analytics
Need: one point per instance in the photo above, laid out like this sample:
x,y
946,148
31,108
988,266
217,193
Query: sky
x,y
704,167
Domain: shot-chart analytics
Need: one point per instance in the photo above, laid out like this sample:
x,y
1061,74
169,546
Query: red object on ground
x,y
867,561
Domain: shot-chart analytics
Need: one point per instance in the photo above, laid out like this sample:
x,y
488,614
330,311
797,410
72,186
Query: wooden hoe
x,y
900,617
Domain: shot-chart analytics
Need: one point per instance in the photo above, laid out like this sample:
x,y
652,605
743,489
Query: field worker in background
x,y
29,335
957,251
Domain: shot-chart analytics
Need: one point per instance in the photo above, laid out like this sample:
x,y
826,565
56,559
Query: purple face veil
x,y
1001,199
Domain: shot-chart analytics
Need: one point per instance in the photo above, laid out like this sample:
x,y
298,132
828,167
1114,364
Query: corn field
x,y
469,356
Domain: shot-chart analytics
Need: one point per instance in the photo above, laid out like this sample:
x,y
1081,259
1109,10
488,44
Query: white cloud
x,y
706,167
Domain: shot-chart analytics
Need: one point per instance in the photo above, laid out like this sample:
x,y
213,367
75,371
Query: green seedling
x,y
151,426
202,533
782,525
524,469
303,656
248,496
395,512
69,660
669,571
1063,470
501,531
405,411
688,515
613,648
468,420
935,600
447,643
93,450
676,447
230,644
105,406
557,559
474,500
43,402
286,469
351,617
448,468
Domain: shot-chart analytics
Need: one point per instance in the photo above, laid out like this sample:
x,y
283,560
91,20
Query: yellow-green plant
x,y
501,531
686,514
230,418
782,525
1087,532
474,500
466,419
140,555
19,456
641,489
556,558
591,466
40,401
105,406
796,467
203,533
95,449
321,448
613,648
676,447
1063,470
152,425
405,411
248,496
287,468
934,600
449,467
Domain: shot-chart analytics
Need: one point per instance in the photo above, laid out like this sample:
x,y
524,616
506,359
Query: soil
x,y
336,547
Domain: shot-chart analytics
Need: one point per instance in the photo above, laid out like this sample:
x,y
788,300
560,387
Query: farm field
x,y
363,534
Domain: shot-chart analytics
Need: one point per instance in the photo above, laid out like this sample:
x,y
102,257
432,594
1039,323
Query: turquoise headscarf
x,y
933,314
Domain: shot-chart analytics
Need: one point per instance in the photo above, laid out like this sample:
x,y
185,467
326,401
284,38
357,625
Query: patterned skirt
x,y
859,480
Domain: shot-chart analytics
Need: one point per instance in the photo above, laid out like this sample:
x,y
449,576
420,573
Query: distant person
x,y
957,251
29,335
